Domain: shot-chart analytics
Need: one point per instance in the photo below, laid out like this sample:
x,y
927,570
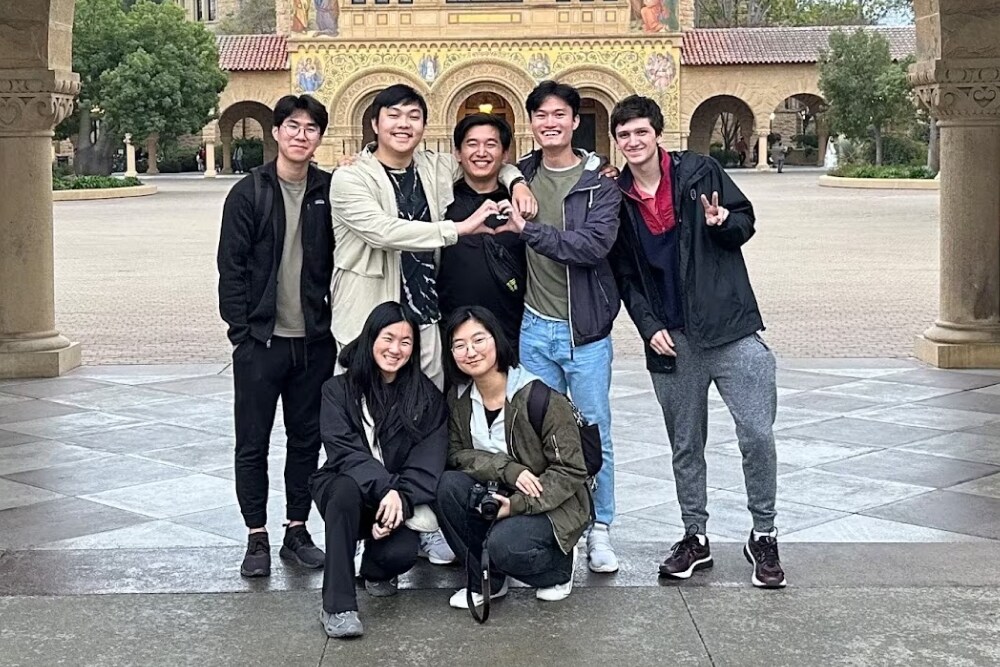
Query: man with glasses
x,y
275,262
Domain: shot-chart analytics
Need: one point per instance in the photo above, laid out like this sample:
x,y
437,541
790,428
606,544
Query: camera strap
x,y
483,573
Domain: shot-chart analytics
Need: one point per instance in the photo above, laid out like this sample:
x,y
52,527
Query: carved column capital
x,y
966,90
34,101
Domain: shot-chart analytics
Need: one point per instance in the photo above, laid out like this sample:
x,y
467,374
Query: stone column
x,y
684,140
208,135
151,148
32,103
130,171
762,150
963,93
210,171
227,152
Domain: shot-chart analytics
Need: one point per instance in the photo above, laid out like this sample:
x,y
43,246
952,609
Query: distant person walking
x,y
742,148
778,155
238,159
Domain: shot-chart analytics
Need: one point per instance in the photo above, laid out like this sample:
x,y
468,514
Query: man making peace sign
x,y
681,275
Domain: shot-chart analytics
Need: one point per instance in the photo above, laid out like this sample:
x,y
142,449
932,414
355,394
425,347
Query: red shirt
x,y
658,210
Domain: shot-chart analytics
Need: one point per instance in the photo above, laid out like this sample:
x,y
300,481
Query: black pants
x,y
294,371
349,519
523,546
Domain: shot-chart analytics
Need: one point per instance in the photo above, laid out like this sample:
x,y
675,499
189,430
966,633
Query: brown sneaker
x,y
762,553
687,556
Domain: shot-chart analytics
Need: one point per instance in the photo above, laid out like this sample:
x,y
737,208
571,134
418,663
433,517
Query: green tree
x,y
253,17
865,89
145,70
757,13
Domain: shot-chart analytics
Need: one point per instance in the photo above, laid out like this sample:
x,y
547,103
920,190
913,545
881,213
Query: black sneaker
x,y
257,561
687,556
299,548
762,553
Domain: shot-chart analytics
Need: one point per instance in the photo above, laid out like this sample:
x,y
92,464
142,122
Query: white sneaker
x,y
559,591
460,600
434,548
599,550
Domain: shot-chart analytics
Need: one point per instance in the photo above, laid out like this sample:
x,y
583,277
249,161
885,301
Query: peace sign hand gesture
x,y
715,215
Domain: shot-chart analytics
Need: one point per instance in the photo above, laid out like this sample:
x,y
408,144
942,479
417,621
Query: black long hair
x,y
506,353
402,399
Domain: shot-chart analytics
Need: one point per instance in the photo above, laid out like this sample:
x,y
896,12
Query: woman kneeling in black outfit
x,y
491,439
384,427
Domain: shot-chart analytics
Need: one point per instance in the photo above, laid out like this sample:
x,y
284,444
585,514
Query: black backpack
x,y
590,434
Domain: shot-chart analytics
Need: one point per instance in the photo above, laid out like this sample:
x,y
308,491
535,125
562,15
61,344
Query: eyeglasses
x,y
461,348
292,129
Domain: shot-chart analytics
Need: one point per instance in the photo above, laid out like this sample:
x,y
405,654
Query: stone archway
x,y
721,119
37,91
797,121
484,76
600,89
234,114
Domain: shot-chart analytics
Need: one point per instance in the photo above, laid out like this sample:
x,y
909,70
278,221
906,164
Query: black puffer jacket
x,y
719,303
250,253
412,465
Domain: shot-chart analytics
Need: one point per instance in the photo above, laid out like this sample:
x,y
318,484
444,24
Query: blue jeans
x,y
547,351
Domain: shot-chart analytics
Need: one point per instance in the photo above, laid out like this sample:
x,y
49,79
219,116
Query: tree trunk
x,y
92,158
934,147
878,146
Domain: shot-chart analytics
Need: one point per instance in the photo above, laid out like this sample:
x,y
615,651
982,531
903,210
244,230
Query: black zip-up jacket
x,y
412,466
250,253
590,213
719,303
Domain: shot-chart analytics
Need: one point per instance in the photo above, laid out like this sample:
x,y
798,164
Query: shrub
x,y
806,140
890,171
898,151
93,182
726,158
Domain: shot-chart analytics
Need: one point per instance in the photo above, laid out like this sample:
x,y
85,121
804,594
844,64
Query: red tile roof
x,y
252,53
762,46
720,46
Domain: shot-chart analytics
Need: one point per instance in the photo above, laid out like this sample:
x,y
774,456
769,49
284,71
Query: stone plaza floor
x,y
120,537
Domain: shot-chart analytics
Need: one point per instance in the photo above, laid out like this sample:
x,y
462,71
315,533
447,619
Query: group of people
x,y
471,301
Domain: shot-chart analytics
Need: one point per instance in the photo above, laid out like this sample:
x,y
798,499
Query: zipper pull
x,y
268,344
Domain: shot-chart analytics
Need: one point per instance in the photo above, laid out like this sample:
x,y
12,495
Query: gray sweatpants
x,y
744,372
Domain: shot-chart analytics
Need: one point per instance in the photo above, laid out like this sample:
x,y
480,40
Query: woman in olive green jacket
x,y
544,503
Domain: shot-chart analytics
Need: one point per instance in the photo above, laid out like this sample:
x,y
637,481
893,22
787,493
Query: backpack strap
x,y
263,198
538,405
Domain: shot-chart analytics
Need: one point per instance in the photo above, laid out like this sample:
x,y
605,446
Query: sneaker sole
x,y
702,564
753,577
601,569
288,554
251,574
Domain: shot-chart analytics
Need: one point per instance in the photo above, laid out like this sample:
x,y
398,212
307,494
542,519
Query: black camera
x,y
481,499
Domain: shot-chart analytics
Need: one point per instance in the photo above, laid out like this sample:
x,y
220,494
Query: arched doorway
x,y
490,103
798,122
717,126
592,133
248,125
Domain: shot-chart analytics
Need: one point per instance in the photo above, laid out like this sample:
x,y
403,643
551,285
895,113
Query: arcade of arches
x,y
957,76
